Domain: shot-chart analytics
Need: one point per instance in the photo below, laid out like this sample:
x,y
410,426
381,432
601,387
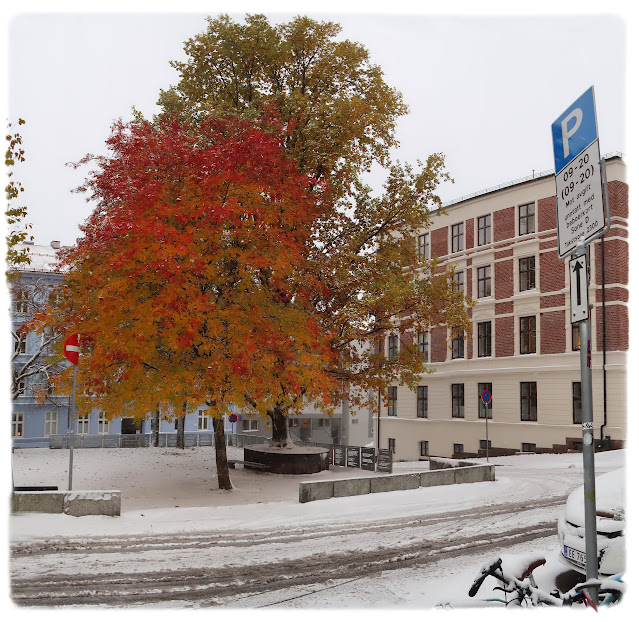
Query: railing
x,y
191,439
521,180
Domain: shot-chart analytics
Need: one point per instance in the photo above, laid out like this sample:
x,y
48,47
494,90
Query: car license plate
x,y
578,557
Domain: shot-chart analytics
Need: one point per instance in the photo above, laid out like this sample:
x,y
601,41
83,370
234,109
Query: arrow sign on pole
x,y
578,289
578,267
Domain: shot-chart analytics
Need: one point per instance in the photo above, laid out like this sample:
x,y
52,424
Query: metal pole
x,y
486,413
588,451
70,432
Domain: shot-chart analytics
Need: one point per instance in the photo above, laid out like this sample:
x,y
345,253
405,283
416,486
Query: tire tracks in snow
x,y
414,541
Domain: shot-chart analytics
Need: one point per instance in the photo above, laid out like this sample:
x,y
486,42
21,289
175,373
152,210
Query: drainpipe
x,y
603,330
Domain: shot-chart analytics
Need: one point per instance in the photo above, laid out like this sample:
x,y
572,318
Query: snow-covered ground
x,y
169,491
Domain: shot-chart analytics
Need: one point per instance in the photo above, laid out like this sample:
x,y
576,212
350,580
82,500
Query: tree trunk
x,y
155,428
279,424
180,432
221,462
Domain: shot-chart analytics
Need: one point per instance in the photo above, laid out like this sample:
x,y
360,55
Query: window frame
x,y
528,336
525,219
424,451
458,277
17,424
457,237
393,347
21,302
457,343
104,425
391,410
423,344
422,402
529,447
458,448
527,273
20,344
250,425
485,340
202,420
392,445
577,410
484,230
484,289
50,422
85,421
530,398
423,246
457,400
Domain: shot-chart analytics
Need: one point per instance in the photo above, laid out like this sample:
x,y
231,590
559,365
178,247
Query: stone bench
x,y
73,503
248,465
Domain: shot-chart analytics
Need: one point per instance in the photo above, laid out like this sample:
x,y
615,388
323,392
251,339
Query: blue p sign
x,y
574,130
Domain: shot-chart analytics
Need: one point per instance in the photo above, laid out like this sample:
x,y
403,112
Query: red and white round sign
x,y
72,348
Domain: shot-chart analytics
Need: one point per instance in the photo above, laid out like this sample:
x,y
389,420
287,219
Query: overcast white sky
x,y
483,90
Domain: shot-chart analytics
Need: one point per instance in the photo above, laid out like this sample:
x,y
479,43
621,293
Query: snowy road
x,y
229,569
402,549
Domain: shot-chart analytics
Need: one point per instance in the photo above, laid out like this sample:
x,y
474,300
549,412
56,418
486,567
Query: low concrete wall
x,y
80,503
351,487
445,475
400,481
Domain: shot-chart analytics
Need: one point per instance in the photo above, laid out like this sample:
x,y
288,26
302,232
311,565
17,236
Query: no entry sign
x,y
72,348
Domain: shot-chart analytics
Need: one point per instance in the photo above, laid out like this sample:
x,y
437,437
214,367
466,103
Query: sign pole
x,y
486,414
72,352
588,447
71,432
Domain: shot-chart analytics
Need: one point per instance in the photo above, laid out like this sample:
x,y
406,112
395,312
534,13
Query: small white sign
x,y
578,268
581,215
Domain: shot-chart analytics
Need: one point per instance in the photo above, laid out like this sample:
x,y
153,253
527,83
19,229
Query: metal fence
x,y
191,439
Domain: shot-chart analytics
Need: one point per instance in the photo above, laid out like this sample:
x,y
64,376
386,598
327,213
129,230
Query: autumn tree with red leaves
x,y
191,282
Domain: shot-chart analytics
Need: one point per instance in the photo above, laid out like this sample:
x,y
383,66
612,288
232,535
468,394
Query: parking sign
x,y
581,216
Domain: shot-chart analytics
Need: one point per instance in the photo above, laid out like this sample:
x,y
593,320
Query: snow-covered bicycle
x,y
522,590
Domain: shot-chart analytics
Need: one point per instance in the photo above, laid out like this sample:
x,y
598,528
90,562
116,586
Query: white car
x,y
610,492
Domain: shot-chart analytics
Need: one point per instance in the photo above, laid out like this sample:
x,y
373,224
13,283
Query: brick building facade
x,y
523,347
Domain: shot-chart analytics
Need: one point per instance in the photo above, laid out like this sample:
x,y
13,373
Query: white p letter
x,y
565,134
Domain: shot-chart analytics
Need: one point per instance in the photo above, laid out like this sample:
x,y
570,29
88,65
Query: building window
x,y
529,447
83,424
457,343
458,448
575,337
422,344
422,402
458,277
528,397
17,424
527,335
483,230
423,246
392,401
103,423
22,387
483,282
423,449
249,425
527,219
21,301
457,237
202,420
457,392
483,443
50,389
484,339
481,387
391,444
20,344
526,273
393,347
576,402
50,422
